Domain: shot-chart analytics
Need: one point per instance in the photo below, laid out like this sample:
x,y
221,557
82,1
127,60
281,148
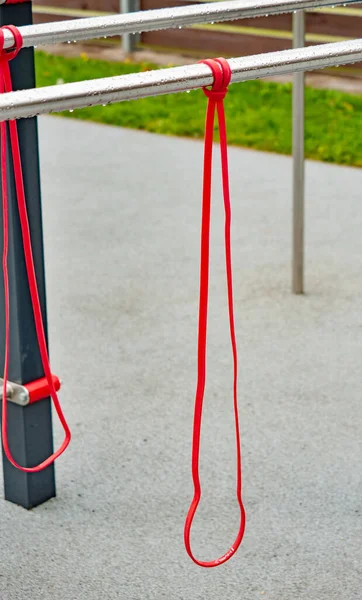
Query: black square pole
x,y
29,427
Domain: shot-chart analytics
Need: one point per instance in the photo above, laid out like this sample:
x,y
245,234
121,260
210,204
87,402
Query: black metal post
x,y
30,427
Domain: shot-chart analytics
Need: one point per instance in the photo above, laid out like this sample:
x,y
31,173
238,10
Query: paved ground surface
x,y
122,212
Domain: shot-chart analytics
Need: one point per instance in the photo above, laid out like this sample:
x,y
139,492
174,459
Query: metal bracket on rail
x,y
28,393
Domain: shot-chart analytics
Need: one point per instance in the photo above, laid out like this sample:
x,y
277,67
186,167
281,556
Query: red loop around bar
x,y
6,86
12,52
222,75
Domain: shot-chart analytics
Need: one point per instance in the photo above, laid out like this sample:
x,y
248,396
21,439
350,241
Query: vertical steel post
x,y
298,160
30,427
129,40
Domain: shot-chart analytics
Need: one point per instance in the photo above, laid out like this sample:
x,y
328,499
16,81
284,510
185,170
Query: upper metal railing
x,y
164,18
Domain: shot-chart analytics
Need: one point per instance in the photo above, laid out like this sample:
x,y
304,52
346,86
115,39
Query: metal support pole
x,y
298,160
129,40
30,427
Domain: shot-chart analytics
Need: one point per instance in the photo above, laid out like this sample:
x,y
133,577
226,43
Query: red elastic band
x,y
6,86
222,75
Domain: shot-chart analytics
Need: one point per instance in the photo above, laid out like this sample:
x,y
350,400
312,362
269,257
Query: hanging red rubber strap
x,y
222,75
6,86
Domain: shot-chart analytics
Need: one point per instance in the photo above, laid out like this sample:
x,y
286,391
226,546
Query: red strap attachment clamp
x,y
222,76
40,389
28,393
50,384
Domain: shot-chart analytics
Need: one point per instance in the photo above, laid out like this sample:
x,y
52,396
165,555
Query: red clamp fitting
x,y
28,393
39,389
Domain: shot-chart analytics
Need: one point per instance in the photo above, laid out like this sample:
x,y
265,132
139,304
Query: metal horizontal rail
x,y
69,96
164,18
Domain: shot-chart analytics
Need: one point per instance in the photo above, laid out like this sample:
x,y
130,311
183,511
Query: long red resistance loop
x,y
222,75
6,86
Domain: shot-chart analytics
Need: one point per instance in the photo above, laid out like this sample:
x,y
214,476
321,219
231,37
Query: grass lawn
x,y
258,113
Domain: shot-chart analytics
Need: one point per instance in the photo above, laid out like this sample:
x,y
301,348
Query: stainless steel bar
x,y
165,18
298,161
69,96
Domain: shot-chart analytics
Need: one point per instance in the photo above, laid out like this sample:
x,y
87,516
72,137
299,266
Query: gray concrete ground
x,y
122,213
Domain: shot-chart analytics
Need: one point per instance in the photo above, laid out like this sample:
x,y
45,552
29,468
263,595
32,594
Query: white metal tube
x,y
298,160
165,18
69,96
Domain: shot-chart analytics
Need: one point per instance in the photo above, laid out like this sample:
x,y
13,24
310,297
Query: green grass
x,y
258,113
